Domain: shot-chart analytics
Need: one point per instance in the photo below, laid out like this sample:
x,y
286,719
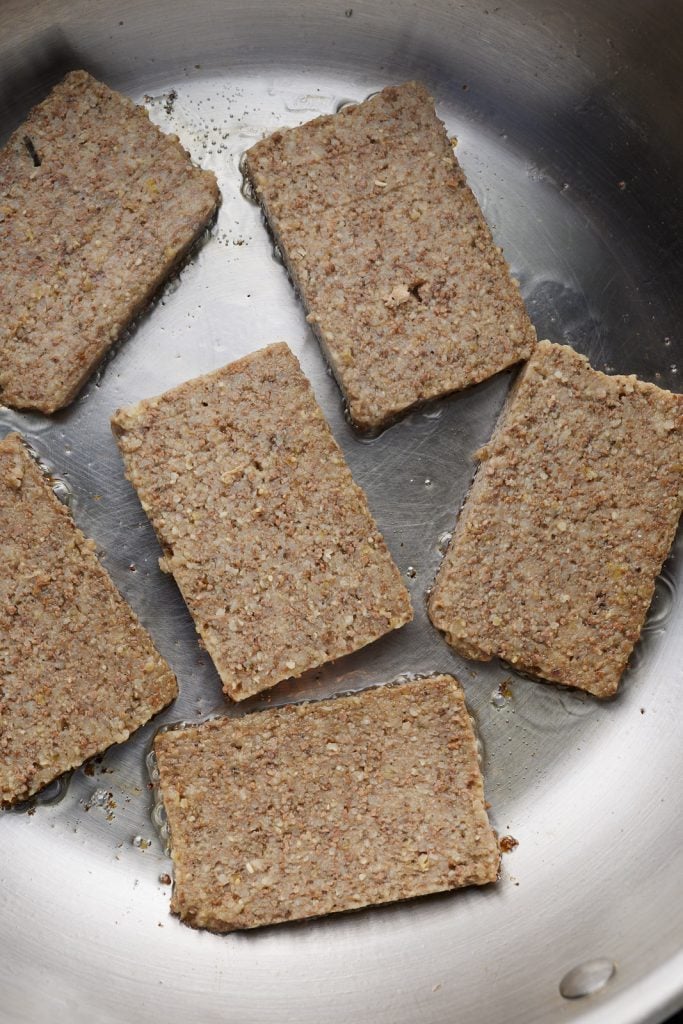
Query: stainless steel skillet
x,y
568,118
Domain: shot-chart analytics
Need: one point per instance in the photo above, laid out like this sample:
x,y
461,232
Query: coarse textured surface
x,y
553,561
408,294
269,539
594,807
96,207
77,670
314,808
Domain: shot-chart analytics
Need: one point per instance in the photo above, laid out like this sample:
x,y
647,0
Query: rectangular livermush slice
x,y
408,294
96,207
310,809
269,539
77,670
572,512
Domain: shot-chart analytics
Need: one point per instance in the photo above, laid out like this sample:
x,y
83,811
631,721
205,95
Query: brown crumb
x,y
507,843
504,689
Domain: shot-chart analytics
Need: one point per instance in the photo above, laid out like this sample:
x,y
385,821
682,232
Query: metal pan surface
x,y
568,120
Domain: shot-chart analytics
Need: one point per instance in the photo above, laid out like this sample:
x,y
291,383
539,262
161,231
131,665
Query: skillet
x,y
568,120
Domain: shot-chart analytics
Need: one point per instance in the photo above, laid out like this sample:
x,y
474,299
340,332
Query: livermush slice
x,y
315,808
573,509
407,292
97,206
77,670
269,539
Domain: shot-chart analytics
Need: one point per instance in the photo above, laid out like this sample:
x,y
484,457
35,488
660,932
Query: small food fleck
x,y
504,689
